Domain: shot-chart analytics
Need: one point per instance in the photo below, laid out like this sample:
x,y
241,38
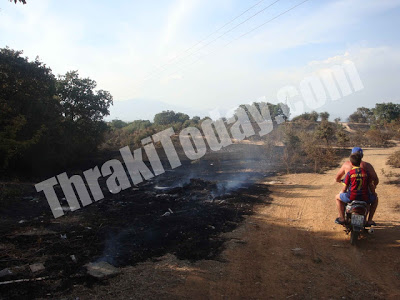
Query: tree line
x,y
49,123
131,133
382,114
312,142
46,122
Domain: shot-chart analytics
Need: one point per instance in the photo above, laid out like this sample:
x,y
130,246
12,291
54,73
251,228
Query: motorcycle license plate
x,y
357,220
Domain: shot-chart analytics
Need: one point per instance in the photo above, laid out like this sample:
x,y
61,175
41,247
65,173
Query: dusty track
x,y
265,266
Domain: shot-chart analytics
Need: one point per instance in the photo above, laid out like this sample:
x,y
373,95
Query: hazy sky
x,y
176,51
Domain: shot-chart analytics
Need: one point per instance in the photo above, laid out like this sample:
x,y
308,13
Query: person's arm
x,y
340,174
373,174
371,185
372,188
346,183
344,188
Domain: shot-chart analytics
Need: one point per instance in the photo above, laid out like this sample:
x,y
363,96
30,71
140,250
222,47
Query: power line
x,y
204,39
233,28
226,32
246,33
286,11
220,36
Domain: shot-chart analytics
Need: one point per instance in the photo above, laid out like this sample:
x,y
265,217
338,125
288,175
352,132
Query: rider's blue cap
x,y
357,150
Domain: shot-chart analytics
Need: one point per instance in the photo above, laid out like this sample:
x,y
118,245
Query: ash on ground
x,y
182,212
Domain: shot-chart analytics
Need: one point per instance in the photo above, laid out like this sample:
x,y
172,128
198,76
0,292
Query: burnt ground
x,y
181,212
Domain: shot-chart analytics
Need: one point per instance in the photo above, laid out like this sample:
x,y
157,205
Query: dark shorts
x,y
345,197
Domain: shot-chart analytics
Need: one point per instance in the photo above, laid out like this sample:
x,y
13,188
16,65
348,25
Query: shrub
x,y
370,138
394,159
377,138
292,153
312,117
342,137
325,131
317,156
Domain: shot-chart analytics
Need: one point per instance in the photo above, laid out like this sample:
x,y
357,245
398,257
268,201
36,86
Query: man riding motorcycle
x,y
345,169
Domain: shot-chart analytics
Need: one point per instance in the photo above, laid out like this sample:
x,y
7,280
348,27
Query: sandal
x,y
369,224
337,221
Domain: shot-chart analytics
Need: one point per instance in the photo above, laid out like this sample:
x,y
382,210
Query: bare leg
x,y
372,210
340,207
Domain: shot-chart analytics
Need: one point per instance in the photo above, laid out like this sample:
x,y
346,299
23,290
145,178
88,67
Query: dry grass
x,y
394,159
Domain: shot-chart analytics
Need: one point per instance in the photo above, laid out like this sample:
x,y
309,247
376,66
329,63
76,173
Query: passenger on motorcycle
x,y
358,185
346,167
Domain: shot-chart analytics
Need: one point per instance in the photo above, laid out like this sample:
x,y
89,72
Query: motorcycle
x,y
356,219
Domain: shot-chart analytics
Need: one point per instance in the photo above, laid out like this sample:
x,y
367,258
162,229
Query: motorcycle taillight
x,y
358,210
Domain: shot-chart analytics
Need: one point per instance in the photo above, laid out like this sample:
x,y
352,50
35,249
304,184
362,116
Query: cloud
x,y
378,68
337,59
242,71
125,50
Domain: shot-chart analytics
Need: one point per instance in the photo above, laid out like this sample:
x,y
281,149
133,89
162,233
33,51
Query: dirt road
x,y
288,249
292,249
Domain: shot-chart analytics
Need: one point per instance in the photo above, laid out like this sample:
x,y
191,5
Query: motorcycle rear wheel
x,y
354,237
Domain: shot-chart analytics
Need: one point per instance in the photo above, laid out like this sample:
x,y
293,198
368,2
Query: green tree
x,y
28,107
319,155
324,116
362,115
341,136
279,110
15,1
169,117
386,112
325,131
292,151
79,99
312,117
196,119
83,109
118,124
137,125
46,124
